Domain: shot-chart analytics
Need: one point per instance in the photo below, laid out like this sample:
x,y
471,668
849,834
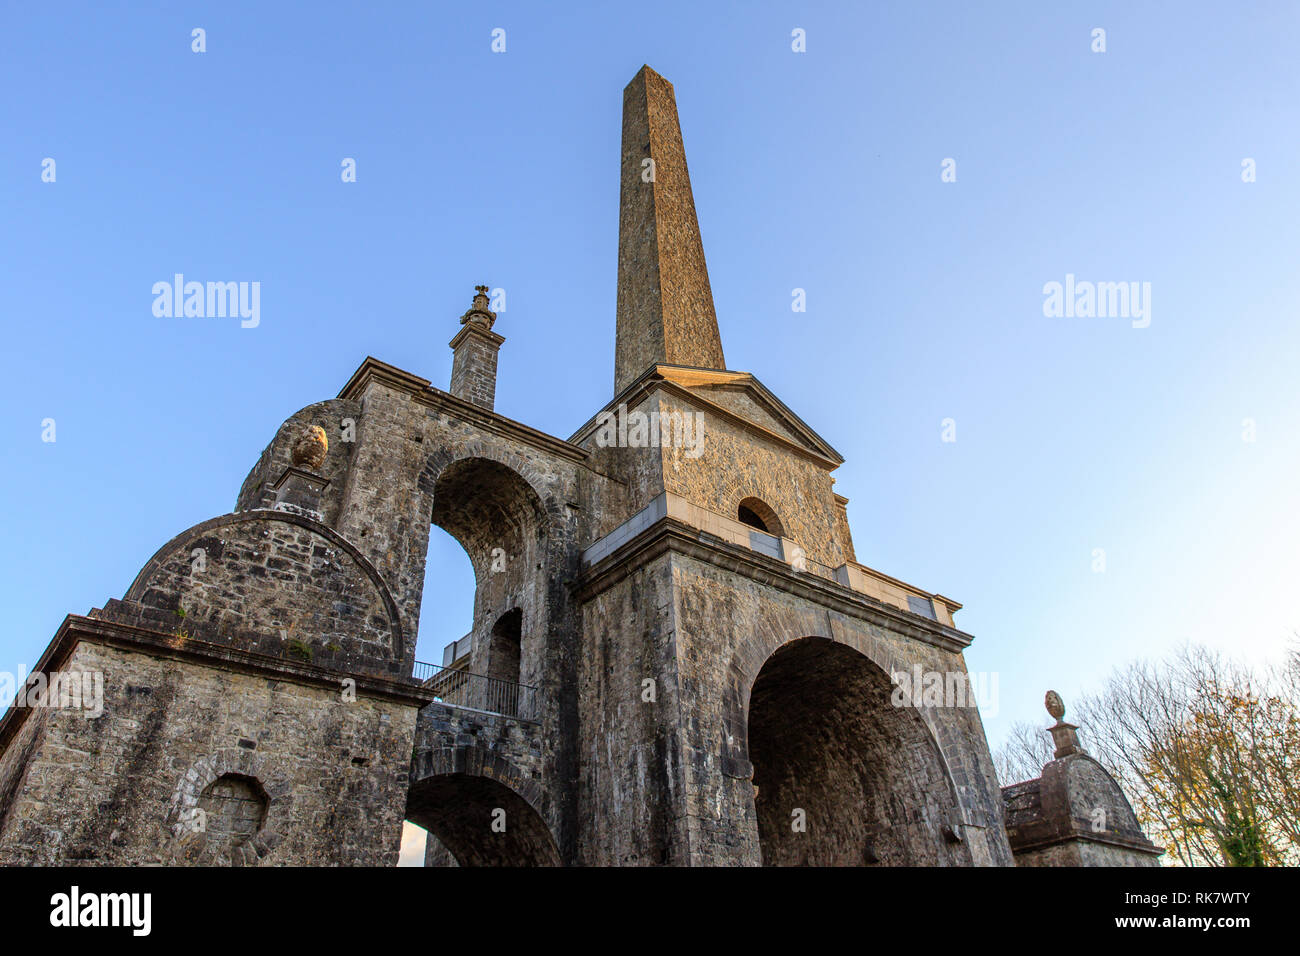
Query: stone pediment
x,y
746,397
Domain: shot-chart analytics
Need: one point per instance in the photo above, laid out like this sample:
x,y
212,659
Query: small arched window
x,y
757,514
504,662
234,808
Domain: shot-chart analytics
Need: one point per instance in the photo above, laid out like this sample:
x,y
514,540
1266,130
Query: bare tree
x,y
1207,750
1022,757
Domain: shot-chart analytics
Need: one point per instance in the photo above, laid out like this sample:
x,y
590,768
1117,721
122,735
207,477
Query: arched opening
x,y
414,844
492,511
842,776
447,600
421,848
477,821
496,519
224,826
233,808
757,514
504,662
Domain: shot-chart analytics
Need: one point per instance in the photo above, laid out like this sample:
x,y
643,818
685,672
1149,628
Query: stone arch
x,y
773,632
504,648
759,514
186,824
486,504
532,484
490,503
459,795
832,752
280,565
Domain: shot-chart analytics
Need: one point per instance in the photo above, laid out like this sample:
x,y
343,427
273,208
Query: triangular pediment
x,y
745,397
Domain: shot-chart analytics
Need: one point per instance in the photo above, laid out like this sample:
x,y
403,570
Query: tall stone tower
x,y
675,656
665,305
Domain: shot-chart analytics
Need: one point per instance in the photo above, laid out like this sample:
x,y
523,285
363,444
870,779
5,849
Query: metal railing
x,y
459,688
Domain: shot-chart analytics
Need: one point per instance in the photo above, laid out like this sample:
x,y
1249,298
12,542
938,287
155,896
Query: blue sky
x,y
818,171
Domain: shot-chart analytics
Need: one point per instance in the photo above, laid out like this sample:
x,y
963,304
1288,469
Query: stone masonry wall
x,y
276,583
630,750
474,369
735,464
728,626
638,472
333,416
1083,853
112,789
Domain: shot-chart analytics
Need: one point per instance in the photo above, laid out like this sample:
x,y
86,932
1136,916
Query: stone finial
x,y
300,486
479,314
310,449
474,348
1055,706
1064,736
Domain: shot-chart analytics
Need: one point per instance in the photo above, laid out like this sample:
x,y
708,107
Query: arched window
x,y
504,659
234,807
756,514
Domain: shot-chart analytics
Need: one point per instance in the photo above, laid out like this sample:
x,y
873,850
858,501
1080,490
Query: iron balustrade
x,y
459,688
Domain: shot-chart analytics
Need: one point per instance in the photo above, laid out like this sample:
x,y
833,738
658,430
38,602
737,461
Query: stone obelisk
x,y
665,305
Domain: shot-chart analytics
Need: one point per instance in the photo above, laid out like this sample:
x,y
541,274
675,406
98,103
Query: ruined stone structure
x,y
676,657
1075,814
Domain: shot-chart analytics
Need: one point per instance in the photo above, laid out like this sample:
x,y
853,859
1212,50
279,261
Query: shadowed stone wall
x,y
476,787
630,755
119,788
731,621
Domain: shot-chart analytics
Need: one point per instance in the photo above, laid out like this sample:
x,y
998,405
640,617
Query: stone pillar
x,y
474,365
298,489
299,492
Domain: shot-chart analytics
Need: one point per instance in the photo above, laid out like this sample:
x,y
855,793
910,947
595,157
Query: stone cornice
x,y
469,328
953,606
373,370
669,534
77,629
1023,842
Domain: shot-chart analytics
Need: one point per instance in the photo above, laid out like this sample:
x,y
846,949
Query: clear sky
x,y
818,170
